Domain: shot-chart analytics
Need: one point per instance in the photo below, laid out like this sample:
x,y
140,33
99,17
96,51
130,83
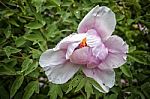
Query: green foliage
x,y
32,87
29,27
16,85
55,90
125,69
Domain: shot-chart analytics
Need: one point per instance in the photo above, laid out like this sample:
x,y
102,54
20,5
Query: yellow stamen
x,y
83,43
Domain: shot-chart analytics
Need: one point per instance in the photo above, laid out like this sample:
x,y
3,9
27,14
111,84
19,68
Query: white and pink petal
x,y
104,77
73,38
114,60
51,57
115,44
61,73
101,19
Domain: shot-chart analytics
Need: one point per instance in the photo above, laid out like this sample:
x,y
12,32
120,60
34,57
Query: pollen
x,y
83,43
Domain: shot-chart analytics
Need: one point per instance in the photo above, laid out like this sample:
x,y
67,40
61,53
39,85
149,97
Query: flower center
x,y
83,43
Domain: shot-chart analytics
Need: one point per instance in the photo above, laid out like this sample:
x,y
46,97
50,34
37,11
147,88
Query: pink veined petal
x,y
115,44
93,38
84,56
115,60
102,19
104,77
100,51
73,38
71,48
51,57
61,73
80,56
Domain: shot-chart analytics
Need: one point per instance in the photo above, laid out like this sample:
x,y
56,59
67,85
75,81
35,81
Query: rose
x,y
93,49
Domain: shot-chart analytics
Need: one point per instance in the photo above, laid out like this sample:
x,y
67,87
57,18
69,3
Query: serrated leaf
x,y
31,68
55,90
25,64
142,57
43,45
8,31
77,14
30,89
8,13
95,84
13,22
125,69
145,88
80,85
88,89
34,37
37,4
5,71
16,85
20,41
37,87
34,74
10,50
74,82
36,53
40,18
34,25
56,2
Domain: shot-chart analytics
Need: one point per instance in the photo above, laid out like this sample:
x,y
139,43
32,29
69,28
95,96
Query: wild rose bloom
x,y
93,49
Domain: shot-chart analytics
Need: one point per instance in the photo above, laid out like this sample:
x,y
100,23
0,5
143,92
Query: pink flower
x,y
93,49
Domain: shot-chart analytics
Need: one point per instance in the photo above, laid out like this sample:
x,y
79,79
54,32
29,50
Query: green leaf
x,y
43,45
126,70
95,84
26,63
13,22
38,4
34,25
31,68
8,13
10,50
142,57
20,41
30,89
88,89
113,96
56,2
8,31
16,85
34,37
55,90
145,88
3,93
34,74
80,85
40,18
36,53
74,82
77,14
6,71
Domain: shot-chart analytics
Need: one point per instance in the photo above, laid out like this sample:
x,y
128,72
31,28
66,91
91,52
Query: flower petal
x,y
100,51
61,73
80,56
114,60
51,57
71,48
73,38
104,77
92,38
102,19
116,44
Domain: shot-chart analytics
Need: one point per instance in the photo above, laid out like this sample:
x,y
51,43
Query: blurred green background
x,y
29,27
